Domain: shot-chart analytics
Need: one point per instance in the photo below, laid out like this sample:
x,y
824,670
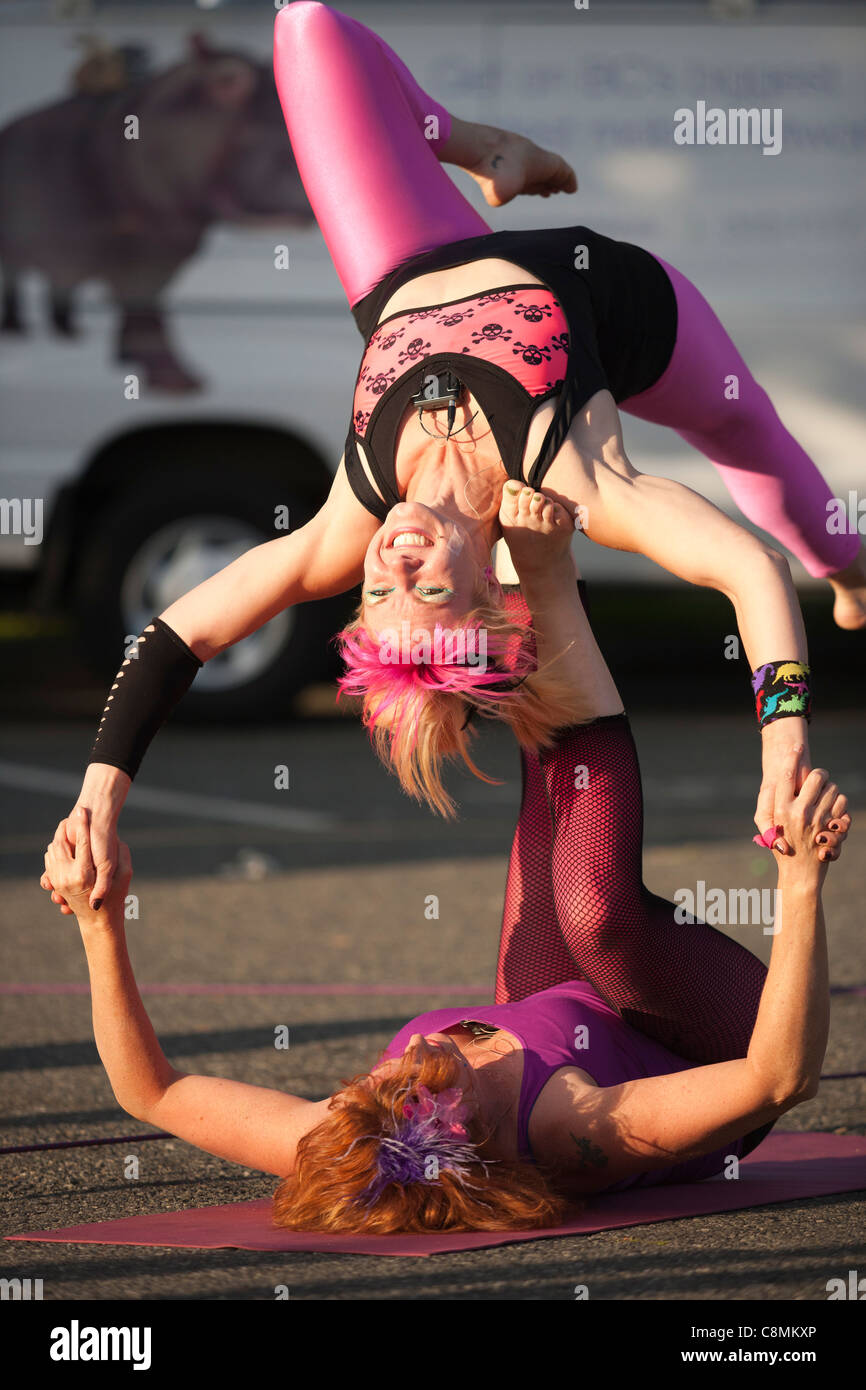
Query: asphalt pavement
x,y
324,885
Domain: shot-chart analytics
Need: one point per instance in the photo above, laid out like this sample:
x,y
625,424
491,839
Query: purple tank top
x,y
570,1025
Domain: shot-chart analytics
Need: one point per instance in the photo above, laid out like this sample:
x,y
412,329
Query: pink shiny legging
x,y
365,137
366,140
772,480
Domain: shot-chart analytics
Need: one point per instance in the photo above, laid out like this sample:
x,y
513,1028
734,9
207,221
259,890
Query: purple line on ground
x,y
79,987
344,988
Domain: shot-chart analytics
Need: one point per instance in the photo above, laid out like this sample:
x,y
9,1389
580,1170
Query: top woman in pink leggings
x,y
488,356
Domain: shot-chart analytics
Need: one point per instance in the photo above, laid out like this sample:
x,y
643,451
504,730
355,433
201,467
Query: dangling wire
x,y
452,411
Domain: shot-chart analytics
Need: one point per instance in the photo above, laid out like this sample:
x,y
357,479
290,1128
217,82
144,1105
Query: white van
x,y
154,434
244,380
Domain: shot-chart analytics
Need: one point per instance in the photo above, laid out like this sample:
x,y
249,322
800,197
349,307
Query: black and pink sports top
x,y
609,324
547,1025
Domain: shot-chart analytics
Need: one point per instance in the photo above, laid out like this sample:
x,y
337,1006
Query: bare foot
x,y
849,586
514,164
537,531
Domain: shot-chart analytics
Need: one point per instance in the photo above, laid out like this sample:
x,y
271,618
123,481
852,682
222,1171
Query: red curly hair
x,y
323,1191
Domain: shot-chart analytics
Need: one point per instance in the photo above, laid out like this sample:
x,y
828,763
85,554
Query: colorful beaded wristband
x,y
782,689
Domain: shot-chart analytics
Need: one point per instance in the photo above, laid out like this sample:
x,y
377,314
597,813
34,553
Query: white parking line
x,y
40,779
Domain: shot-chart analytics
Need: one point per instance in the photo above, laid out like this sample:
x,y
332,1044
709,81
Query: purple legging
x,y
365,138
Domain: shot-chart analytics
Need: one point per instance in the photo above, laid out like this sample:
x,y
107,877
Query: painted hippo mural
x,y
80,201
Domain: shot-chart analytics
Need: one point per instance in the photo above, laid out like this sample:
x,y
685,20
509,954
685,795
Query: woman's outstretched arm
x,y
663,1120
678,529
251,1125
321,559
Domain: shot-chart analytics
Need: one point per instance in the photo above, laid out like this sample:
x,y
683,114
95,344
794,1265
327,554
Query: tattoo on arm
x,y
591,1156
496,161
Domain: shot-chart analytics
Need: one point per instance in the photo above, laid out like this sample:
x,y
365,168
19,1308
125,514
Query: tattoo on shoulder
x,y
496,161
591,1156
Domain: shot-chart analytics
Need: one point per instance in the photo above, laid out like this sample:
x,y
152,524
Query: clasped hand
x,y
797,800
70,872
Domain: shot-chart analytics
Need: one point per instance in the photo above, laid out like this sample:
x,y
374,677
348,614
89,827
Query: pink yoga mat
x,y
785,1167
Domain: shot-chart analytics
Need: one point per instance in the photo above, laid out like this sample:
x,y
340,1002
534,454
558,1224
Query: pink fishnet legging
x,y
576,906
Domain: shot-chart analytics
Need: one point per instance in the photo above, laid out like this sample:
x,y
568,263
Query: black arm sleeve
x,y
157,673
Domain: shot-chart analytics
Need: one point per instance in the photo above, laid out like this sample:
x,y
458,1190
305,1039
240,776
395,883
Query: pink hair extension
x,y
386,684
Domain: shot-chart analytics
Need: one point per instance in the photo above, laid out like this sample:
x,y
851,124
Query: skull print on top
x,y
604,318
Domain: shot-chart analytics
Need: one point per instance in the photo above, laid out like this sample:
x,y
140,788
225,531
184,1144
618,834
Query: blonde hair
x,y
418,715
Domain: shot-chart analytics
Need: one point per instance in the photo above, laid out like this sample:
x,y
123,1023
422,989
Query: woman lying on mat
x,y
624,1049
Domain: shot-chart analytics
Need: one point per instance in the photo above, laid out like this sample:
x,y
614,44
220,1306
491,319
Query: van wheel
x,y
148,548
